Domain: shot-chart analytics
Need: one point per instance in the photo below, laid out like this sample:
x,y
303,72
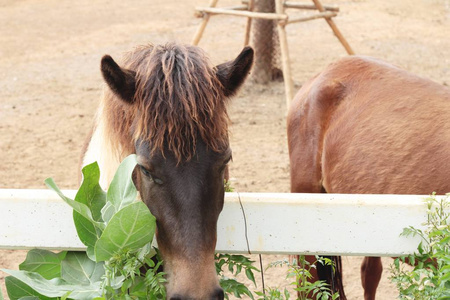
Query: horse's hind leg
x,y
371,269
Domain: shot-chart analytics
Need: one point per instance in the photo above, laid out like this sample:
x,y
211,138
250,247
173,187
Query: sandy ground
x,y
50,82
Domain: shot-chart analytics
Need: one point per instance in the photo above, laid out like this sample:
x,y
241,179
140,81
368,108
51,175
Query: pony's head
x,y
176,107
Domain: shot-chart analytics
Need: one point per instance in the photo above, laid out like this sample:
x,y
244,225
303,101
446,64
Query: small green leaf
x,y
397,263
130,228
445,240
445,277
44,262
420,248
66,296
250,276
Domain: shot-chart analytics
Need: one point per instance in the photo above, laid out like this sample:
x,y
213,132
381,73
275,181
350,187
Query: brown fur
x,y
177,98
364,126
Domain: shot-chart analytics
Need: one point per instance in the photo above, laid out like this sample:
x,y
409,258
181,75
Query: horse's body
x,y
364,126
167,105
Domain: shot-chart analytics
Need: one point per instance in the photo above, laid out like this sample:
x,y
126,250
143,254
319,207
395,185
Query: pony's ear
x,y
232,74
121,81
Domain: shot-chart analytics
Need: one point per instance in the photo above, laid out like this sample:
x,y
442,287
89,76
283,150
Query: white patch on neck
x,y
101,150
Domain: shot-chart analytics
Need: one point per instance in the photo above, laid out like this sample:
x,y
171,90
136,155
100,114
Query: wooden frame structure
x,y
246,10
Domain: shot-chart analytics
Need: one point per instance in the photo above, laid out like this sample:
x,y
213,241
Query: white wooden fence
x,y
335,224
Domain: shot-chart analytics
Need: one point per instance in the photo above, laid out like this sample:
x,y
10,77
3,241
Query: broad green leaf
x,y
44,262
130,228
77,206
122,191
87,232
56,287
91,194
90,252
77,268
108,211
18,290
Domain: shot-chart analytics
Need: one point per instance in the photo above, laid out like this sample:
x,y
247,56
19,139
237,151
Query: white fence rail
x,y
335,224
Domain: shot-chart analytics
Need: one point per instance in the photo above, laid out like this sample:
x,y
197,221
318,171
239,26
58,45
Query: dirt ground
x,y
50,82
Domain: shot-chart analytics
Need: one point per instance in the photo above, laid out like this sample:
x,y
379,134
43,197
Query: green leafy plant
x,y
274,294
228,187
301,273
235,264
430,275
117,230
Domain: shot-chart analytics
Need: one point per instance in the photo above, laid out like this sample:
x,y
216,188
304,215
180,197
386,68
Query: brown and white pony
x,y
365,126
167,104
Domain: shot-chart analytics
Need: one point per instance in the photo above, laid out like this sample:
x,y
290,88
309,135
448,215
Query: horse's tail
x,y
332,275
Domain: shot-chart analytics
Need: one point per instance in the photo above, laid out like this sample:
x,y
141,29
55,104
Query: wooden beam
x,y
248,25
249,14
288,83
201,14
199,33
298,5
303,5
333,26
327,14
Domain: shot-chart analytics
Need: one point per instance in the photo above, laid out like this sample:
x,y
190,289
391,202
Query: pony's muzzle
x,y
217,295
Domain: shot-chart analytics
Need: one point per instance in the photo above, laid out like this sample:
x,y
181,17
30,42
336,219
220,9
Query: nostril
x,y
218,294
176,297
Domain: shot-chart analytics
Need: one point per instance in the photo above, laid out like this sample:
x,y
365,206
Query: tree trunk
x,y
263,32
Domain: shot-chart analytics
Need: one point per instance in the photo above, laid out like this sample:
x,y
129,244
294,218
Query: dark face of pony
x,y
180,135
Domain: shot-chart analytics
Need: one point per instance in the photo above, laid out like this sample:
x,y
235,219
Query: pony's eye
x,y
149,175
225,164
145,171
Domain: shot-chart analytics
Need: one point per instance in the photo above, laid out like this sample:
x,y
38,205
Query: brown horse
x,y
167,104
364,126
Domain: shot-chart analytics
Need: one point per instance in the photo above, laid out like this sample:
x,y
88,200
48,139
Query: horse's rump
x,y
364,126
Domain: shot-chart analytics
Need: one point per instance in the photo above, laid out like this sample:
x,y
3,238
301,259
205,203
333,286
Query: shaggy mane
x,y
178,99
